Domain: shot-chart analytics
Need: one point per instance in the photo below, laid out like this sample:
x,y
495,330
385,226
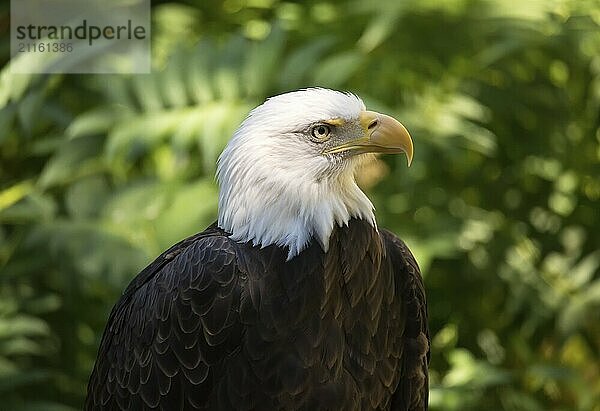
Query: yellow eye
x,y
320,132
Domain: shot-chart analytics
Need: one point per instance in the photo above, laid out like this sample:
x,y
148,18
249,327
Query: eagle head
x,y
287,176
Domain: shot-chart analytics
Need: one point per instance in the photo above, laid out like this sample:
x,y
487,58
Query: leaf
x,y
583,272
173,81
337,69
12,195
582,307
468,371
28,110
148,93
97,121
13,85
70,160
379,29
7,120
22,325
86,197
262,63
300,64
132,137
197,202
34,207
19,346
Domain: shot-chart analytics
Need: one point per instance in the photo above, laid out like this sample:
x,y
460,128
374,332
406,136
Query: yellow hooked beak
x,y
382,134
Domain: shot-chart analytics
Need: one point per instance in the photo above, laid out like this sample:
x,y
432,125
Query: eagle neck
x,y
264,212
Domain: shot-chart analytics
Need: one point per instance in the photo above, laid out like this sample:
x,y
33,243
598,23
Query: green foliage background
x,y
100,173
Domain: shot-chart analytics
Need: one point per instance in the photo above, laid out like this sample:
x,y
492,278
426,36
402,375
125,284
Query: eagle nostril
x,y
373,124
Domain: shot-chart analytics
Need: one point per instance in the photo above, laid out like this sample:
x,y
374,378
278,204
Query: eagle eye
x,y
320,132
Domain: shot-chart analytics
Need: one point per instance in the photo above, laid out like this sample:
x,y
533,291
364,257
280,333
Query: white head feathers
x,y
278,188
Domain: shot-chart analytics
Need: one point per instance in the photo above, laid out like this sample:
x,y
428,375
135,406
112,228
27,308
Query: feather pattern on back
x,y
213,324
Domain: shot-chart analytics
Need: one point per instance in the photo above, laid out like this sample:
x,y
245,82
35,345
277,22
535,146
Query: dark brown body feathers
x,y
216,325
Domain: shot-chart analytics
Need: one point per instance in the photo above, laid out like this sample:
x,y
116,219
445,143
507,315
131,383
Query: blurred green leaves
x,y
98,174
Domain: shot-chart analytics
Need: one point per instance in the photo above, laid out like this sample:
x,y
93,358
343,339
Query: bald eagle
x,y
294,299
